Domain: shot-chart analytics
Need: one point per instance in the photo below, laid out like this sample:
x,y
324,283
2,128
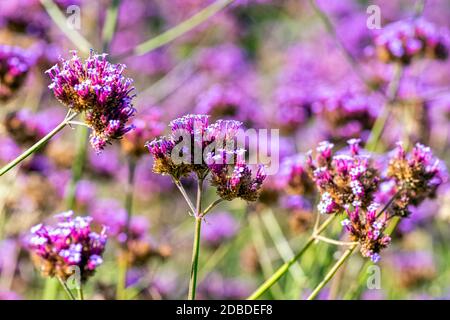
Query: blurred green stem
x,y
285,267
80,292
332,272
38,145
61,21
110,24
179,29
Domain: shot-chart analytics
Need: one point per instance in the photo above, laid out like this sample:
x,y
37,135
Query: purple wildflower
x,y
100,90
14,66
71,243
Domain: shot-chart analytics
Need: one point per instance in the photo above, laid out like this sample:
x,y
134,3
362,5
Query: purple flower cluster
x,y
366,228
14,66
100,90
181,153
403,41
343,180
232,177
417,176
56,250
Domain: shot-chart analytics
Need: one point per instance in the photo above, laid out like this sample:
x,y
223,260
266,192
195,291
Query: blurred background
x,y
310,71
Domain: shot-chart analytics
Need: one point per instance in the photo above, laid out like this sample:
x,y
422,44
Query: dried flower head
x,y
98,89
58,250
417,176
403,41
14,66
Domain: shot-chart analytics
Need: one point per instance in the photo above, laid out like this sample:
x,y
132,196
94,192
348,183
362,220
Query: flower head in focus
x,y
343,180
98,89
367,228
57,250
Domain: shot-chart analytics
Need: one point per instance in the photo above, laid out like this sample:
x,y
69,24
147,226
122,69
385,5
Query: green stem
x,y
195,255
80,292
180,29
212,206
285,267
38,145
196,245
61,21
185,195
78,166
332,272
66,289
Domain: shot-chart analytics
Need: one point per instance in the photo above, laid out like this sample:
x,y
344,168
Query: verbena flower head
x,y
343,180
14,66
98,89
417,176
403,41
367,228
196,146
233,178
57,250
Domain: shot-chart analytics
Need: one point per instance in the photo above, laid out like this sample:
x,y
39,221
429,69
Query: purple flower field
x,y
224,149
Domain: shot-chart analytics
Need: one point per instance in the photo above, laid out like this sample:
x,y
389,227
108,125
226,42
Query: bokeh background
x,y
270,64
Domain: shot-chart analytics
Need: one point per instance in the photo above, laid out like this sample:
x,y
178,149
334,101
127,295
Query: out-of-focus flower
x,y
218,228
417,176
147,126
98,89
24,127
9,295
226,102
57,250
402,41
216,286
413,267
132,235
347,115
14,66
300,212
293,176
294,108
